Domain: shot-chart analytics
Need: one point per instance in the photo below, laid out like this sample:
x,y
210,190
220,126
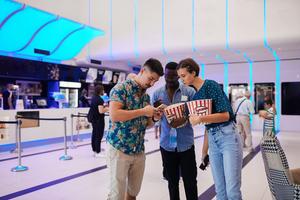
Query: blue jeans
x,y
225,156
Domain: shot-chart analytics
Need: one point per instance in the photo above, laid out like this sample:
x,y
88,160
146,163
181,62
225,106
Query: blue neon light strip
x,y
218,57
136,51
250,62
203,71
226,25
277,81
163,27
193,26
110,30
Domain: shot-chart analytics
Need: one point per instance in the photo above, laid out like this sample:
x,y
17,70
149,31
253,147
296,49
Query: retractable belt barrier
x,y
19,167
78,139
65,156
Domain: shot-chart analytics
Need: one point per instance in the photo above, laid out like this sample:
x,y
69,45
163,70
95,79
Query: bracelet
x,y
154,119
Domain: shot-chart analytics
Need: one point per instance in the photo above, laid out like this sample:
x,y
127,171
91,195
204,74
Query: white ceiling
x,y
164,29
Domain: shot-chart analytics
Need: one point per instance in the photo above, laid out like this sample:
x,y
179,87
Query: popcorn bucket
x,y
175,111
200,107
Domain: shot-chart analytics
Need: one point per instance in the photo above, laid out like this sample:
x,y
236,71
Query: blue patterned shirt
x,y
220,103
185,135
128,136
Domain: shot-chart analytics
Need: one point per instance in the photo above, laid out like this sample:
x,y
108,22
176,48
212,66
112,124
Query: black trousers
x,y
97,135
184,163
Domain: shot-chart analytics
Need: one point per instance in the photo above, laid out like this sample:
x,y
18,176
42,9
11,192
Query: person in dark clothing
x,y
8,97
96,117
84,99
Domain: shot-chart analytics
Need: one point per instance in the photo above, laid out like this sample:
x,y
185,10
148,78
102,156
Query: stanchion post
x,y
65,156
19,167
72,145
17,148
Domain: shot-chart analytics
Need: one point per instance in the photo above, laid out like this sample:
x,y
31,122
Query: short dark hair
x,y
155,66
172,65
269,102
190,65
99,89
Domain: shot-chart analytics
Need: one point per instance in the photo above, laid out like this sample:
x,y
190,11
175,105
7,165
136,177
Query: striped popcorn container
x,y
200,107
175,111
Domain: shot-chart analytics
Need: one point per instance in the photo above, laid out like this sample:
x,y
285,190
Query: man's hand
x,y
157,103
178,122
148,111
157,114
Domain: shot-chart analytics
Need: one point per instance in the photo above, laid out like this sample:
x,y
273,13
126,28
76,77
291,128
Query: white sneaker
x,y
99,155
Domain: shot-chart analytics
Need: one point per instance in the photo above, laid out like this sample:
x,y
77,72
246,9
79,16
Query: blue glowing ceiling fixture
x,y
248,59
24,29
163,28
136,50
277,62
225,63
110,30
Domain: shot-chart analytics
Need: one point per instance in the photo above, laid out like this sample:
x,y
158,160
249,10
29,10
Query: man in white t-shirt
x,y
243,108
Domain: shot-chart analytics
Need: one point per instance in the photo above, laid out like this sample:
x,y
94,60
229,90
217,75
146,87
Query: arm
x,y
117,114
205,145
102,109
213,118
265,114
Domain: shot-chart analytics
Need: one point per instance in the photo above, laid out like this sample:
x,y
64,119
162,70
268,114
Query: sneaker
x,y
99,155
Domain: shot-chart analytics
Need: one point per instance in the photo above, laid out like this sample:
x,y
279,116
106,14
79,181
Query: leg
x,y
232,161
247,130
189,173
240,128
118,164
171,162
101,132
135,176
163,165
94,135
97,136
216,163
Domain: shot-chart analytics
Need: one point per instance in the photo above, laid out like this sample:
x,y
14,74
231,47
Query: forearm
x,y
205,144
120,115
214,118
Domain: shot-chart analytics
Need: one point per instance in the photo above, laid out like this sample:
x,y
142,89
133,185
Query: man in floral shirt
x,y
130,115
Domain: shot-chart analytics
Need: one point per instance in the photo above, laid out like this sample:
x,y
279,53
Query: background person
x,y
96,117
243,108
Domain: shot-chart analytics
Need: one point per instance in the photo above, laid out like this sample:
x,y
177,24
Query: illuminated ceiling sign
x,y
27,31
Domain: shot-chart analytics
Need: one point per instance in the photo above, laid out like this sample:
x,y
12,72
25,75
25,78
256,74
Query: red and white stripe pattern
x,y
200,107
175,111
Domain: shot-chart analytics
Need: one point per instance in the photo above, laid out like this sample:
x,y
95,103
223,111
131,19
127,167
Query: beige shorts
x,y
126,173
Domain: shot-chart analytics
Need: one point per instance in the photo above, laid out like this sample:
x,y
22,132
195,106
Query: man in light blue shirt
x,y
177,144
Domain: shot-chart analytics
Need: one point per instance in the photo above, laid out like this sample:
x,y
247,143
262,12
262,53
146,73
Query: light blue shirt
x,y
185,135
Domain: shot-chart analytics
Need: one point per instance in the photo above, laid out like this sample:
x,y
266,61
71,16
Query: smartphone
x,y
162,107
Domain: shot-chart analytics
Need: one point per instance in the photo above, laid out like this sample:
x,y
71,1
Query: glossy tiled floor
x,y
86,177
